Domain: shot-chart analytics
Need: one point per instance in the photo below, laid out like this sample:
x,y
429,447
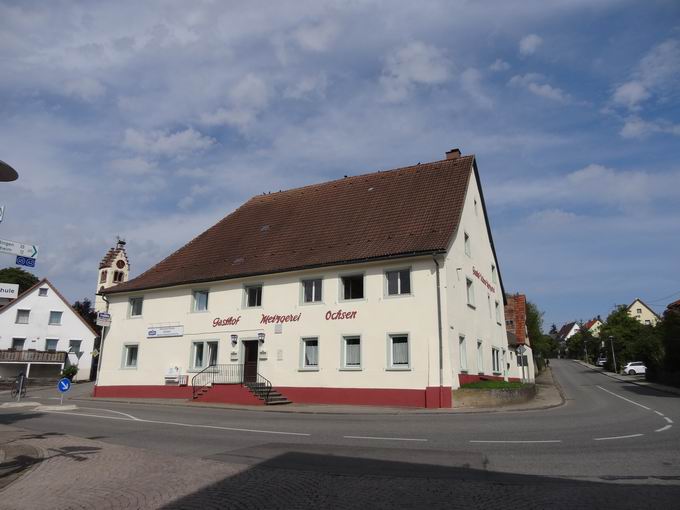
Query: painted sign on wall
x,y
340,315
227,321
483,280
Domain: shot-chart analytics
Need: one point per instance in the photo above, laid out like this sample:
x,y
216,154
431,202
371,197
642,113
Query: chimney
x,y
453,154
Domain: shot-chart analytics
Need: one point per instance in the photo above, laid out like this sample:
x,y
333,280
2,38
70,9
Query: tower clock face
x,y
120,264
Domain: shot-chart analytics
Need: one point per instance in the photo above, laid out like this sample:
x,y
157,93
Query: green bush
x,y
70,372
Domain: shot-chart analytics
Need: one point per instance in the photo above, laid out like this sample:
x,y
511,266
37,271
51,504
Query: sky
x,y
153,120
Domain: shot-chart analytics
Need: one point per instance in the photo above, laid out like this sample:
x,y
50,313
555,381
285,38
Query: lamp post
x,y
611,342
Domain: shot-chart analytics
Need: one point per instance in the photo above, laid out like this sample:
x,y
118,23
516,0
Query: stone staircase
x,y
274,397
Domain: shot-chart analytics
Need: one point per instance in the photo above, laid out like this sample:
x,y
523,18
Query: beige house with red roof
x,y
377,289
593,326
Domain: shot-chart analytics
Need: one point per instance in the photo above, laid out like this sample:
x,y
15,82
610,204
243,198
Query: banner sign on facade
x,y
164,331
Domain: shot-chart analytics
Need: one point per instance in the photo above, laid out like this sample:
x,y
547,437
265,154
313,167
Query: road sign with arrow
x,y
17,248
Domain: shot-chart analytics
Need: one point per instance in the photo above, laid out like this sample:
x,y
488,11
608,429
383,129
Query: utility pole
x,y
611,342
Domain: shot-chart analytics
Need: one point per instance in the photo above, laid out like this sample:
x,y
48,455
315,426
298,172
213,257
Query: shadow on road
x,y
303,480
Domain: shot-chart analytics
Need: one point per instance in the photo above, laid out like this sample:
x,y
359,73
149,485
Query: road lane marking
x,y
386,438
663,428
520,442
660,414
112,411
616,437
624,398
177,424
668,419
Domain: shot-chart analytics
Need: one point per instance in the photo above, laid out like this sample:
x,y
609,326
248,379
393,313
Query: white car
x,y
635,367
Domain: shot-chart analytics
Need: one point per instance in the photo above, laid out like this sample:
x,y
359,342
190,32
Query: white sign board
x,y
9,290
521,349
164,331
17,248
103,319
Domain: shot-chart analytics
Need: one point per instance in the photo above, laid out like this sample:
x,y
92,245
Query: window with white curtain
x,y
130,354
200,300
311,290
398,282
462,353
310,353
352,351
480,357
496,360
203,354
399,351
498,312
470,292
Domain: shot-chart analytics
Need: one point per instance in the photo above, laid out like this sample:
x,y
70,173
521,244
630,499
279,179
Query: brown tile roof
x,y
674,304
110,256
396,213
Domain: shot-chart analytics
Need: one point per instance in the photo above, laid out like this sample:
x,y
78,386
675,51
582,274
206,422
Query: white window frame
x,y
498,313
50,322
303,281
342,286
304,367
470,292
193,367
462,353
28,316
42,292
480,357
399,282
124,361
343,354
80,346
495,360
467,244
194,300
131,306
246,289
390,352
23,343
56,344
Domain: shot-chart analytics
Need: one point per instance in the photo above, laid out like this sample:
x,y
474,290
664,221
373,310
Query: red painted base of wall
x,y
469,378
369,396
431,397
142,391
230,394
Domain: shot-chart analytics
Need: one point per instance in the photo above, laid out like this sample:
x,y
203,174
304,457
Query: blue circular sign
x,y
64,385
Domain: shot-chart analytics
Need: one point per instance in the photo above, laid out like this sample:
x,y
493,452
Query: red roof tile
x,y
402,212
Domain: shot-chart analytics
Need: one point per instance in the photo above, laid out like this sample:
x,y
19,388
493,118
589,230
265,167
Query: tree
x,y
85,310
543,345
25,279
583,345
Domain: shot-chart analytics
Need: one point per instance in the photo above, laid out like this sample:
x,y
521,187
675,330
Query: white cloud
x,y
532,82
164,143
630,94
499,65
635,127
470,82
133,166
529,44
307,87
87,89
247,99
316,38
416,63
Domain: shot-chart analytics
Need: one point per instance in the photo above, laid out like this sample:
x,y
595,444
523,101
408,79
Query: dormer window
x,y
42,292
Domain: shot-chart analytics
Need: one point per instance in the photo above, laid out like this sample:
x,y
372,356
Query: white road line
x,y
660,414
386,438
520,442
663,428
624,398
616,437
191,425
111,411
668,419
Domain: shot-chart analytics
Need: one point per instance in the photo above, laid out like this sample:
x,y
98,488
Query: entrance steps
x,y
274,398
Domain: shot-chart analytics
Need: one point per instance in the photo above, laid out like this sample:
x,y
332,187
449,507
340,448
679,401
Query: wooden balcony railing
x,y
33,356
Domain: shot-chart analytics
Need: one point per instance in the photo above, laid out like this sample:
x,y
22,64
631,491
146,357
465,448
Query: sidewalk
x,y
629,379
548,395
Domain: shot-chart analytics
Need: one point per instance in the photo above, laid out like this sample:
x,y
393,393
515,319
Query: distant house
x,y
40,334
567,331
593,326
516,326
675,305
643,313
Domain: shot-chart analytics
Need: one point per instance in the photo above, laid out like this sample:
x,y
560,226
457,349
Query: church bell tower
x,y
113,269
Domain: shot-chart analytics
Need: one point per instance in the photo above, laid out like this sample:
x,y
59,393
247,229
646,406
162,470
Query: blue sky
x,y
154,120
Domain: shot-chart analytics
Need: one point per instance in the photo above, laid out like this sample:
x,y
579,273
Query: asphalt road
x,y
607,431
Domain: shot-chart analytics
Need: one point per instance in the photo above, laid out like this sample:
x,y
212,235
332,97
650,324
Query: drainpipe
x,y
439,324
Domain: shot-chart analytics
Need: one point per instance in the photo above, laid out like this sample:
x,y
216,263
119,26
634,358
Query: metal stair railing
x,y
262,387
216,374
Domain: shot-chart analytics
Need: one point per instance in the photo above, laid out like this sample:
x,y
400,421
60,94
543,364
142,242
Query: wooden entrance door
x,y
250,366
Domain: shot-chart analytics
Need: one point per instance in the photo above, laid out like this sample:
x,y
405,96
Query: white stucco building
x,y
643,313
40,334
379,289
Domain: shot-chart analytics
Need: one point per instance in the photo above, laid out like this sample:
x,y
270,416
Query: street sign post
x,y
103,319
521,349
17,248
63,386
25,261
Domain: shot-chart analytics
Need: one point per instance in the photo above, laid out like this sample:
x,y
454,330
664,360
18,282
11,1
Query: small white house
x,y
40,334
